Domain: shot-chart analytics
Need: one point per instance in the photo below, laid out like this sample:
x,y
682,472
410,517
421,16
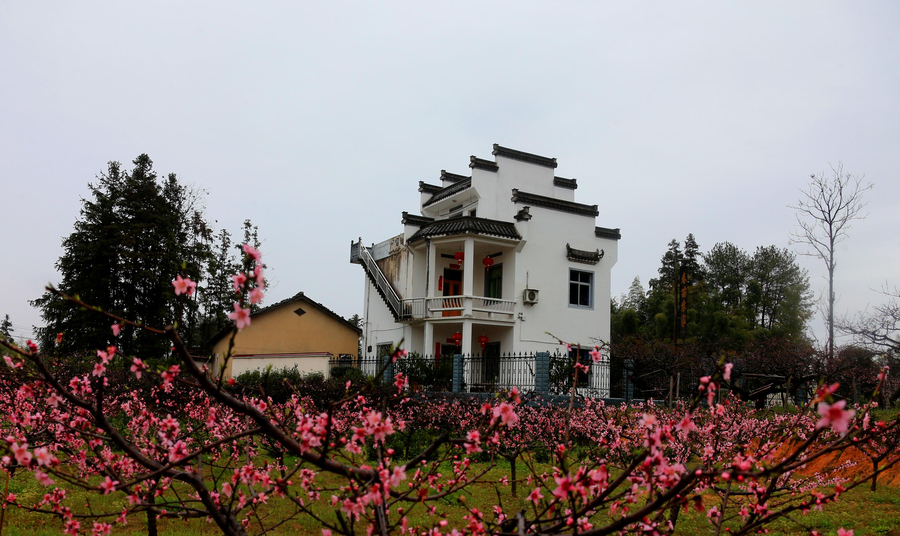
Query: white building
x,y
500,259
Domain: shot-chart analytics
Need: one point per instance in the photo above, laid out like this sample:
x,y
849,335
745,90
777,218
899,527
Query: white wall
x,y
306,364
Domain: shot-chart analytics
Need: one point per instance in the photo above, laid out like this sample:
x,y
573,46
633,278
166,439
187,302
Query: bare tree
x,y
878,329
824,213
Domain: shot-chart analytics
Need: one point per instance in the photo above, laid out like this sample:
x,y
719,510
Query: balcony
x,y
458,306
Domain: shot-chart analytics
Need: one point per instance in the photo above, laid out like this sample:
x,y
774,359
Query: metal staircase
x,y
359,254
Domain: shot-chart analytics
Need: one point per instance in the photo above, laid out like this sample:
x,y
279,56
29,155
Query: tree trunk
x,y
512,473
673,514
831,298
874,475
151,515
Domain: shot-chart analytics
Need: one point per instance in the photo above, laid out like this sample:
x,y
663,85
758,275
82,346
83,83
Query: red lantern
x,y
487,262
441,282
459,256
483,340
457,338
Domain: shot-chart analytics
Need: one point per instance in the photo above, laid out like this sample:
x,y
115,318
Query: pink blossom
x,y
686,424
43,478
563,486
473,442
727,374
252,252
101,529
183,286
99,369
835,415
138,367
648,420
824,391
72,527
259,277
535,495
595,355
241,316
23,456
43,456
506,413
256,295
397,475
844,532
239,280
116,329
108,486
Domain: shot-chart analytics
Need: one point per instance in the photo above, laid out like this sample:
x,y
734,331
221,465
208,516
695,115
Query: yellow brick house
x,y
297,332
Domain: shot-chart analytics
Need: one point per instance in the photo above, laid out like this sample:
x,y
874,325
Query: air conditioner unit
x,y
530,296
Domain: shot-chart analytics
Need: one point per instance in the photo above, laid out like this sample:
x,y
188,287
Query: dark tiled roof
x,y
481,163
449,191
524,157
297,297
604,232
583,256
466,225
415,219
429,188
452,177
565,183
554,204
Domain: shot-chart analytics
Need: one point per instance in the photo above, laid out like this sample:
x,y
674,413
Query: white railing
x,y
445,306
413,308
493,305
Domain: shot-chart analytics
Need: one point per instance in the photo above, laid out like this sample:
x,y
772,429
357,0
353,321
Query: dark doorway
x,y
491,363
452,287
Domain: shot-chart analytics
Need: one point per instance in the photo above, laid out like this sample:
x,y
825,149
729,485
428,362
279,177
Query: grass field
x,y
867,513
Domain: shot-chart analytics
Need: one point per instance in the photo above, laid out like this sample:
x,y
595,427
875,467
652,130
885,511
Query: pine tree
x,y
6,328
133,236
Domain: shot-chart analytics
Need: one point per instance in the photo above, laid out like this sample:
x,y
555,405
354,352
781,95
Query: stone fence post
x,y
457,373
542,373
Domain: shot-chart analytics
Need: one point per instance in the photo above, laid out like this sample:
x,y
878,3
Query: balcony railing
x,y
449,306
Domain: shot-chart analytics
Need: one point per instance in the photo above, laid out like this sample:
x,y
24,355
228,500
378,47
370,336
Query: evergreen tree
x,y
136,232
726,268
6,328
778,294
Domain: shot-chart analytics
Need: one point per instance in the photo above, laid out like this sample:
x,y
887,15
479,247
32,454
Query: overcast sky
x,y
316,120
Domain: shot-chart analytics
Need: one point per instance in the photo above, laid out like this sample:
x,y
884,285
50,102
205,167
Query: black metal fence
x,y
542,372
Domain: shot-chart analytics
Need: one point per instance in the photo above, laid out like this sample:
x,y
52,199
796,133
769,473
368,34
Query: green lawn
x,y
867,513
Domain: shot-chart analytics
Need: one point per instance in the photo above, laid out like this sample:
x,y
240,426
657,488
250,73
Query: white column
x,y
467,337
429,272
469,275
429,339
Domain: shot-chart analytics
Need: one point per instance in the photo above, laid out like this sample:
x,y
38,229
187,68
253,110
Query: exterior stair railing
x,y
360,254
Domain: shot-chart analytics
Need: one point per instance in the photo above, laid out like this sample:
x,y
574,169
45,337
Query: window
x,y
581,288
493,282
384,350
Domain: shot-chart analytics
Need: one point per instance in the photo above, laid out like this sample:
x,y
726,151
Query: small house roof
x,y
300,296
466,225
